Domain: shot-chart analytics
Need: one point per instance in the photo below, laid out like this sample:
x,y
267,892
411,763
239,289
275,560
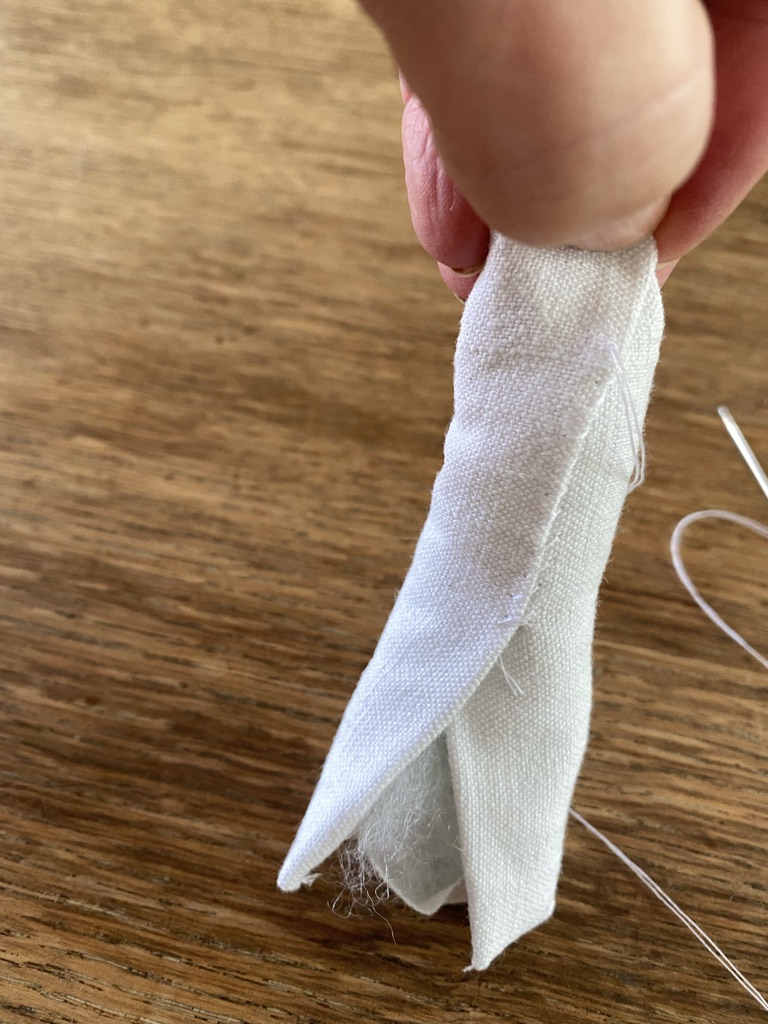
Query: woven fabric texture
x,y
456,759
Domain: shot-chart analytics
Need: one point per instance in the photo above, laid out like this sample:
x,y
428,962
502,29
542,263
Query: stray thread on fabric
x,y
361,888
362,891
513,684
634,427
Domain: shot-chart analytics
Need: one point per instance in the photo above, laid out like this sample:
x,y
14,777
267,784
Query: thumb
x,y
561,122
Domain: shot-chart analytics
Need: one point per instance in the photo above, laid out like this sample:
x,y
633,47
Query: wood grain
x,y
225,383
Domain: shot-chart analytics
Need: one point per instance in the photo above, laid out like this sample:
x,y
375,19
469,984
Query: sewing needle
x,y
743,445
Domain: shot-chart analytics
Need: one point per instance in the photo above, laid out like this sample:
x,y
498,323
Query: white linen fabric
x,y
456,759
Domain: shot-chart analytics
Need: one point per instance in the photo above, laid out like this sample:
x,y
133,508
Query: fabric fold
x,y
455,761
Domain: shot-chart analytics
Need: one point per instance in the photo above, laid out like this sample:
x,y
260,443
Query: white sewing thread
x,y
633,423
670,904
677,561
513,684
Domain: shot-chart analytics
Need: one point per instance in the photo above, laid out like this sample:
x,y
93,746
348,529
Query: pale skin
x,y
577,122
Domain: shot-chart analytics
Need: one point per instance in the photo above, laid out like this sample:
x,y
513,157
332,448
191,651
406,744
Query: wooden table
x,y
226,375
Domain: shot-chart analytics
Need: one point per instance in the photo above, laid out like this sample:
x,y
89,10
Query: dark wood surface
x,y
226,374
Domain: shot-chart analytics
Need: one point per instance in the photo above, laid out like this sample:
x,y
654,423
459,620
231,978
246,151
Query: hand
x,y
591,123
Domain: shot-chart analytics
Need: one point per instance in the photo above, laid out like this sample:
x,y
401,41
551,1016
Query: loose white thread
x,y
512,683
677,561
362,889
633,422
680,914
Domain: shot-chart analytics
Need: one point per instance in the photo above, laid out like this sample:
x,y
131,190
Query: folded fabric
x,y
455,762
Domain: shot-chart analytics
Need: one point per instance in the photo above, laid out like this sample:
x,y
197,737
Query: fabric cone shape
x,y
455,762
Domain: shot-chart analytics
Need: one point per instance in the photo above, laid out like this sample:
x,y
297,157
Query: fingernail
x,y
405,90
663,270
460,285
627,231
468,271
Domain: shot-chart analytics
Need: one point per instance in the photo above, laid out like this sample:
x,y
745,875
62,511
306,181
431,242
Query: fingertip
x,y
558,119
